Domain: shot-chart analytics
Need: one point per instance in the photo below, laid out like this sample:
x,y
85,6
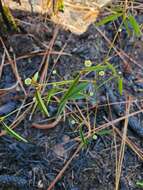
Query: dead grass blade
x,y
114,135
60,53
134,147
85,121
110,123
2,64
13,66
126,65
122,149
40,53
45,61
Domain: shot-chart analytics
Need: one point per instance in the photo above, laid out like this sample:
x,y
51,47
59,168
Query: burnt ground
x,y
34,165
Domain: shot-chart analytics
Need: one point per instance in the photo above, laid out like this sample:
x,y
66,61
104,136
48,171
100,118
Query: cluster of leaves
x,y
129,21
76,88
71,90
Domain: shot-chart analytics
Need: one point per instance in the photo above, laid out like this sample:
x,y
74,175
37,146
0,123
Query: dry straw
x,y
76,16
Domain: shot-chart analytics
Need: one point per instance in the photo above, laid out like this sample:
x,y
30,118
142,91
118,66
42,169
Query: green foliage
x,y
67,95
39,101
12,132
35,77
76,89
104,132
99,68
50,94
134,25
6,19
128,21
83,139
139,184
120,85
109,18
41,104
10,18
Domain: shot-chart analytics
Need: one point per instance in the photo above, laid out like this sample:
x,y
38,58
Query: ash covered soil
x,y
34,165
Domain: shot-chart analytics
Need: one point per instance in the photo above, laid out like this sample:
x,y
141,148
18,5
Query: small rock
x,y
59,150
40,184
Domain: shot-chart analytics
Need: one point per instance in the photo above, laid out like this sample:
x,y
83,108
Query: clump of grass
x,y
7,19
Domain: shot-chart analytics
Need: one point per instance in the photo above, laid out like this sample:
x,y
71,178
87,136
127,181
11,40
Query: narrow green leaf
x,y
84,141
120,85
126,25
61,6
67,94
77,90
50,94
78,96
9,19
104,132
135,25
35,77
13,133
100,68
139,183
109,18
41,103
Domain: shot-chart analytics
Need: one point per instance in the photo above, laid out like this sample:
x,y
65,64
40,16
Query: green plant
x,y
128,21
82,137
76,88
38,99
6,18
10,131
139,184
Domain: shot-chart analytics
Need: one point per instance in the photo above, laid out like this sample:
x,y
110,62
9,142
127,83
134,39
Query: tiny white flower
x,y
88,63
101,73
94,137
91,93
54,72
40,184
120,30
73,122
34,99
28,81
